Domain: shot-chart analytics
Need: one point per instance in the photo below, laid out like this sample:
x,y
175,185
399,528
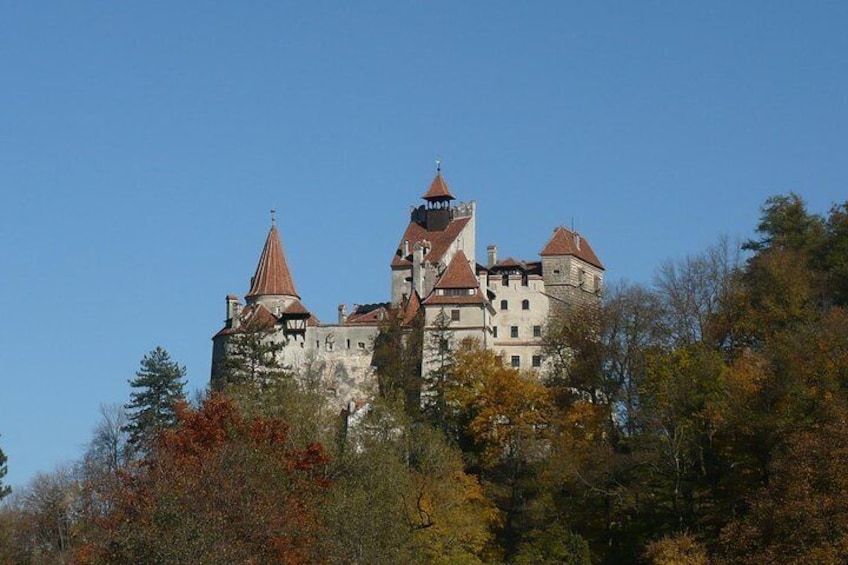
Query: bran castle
x,y
435,277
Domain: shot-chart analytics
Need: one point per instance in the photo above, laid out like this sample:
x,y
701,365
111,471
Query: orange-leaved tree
x,y
217,488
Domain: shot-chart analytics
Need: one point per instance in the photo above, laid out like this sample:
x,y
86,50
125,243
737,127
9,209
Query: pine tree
x,y
4,490
253,357
151,409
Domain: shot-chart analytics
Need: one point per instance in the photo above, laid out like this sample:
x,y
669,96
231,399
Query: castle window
x,y
537,331
454,315
455,292
505,279
537,360
524,279
494,331
513,331
525,304
348,344
361,345
515,361
504,305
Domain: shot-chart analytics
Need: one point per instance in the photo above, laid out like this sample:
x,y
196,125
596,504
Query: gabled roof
x,y
567,242
410,308
510,263
440,241
438,190
272,274
458,274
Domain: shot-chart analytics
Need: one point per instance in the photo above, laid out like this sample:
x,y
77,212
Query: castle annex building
x,y
435,277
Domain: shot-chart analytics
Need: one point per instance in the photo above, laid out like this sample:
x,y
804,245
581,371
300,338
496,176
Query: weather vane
x,y
438,164
273,217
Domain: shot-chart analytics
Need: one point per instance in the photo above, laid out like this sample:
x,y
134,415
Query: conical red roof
x,y
438,190
272,274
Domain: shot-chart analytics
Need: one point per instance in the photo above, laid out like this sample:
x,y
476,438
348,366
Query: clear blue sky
x,y
143,143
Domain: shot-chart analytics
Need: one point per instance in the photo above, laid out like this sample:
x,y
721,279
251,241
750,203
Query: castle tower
x,y
572,273
460,302
271,303
272,284
436,231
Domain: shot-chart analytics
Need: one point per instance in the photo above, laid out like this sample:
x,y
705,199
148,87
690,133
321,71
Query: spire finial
x,y
273,217
438,164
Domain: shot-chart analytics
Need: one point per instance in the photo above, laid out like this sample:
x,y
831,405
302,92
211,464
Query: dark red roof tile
x,y
458,274
440,241
272,274
438,190
567,242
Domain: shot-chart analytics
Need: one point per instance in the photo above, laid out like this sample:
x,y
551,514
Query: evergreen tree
x,y
4,490
159,388
253,357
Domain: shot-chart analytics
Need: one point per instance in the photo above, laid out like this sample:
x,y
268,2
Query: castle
x,y
435,278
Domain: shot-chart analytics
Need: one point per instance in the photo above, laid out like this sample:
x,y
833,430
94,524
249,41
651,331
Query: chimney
x,y
232,305
405,248
342,313
233,311
491,255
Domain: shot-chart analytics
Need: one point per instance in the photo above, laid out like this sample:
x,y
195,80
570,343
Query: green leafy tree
x,y
159,387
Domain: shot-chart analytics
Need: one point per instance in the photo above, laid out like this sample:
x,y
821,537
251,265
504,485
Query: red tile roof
x,y
567,242
411,308
458,274
510,262
368,314
440,241
272,274
438,190
296,308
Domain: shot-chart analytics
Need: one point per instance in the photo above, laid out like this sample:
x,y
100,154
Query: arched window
x,y
525,304
504,305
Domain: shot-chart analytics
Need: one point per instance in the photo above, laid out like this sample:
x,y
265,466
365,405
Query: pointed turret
x,y
272,276
438,191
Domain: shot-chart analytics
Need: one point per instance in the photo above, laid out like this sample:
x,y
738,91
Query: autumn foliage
x,y
702,419
218,489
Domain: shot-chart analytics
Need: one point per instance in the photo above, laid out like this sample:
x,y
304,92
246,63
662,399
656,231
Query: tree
x,y
152,409
218,488
4,490
400,495
397,359
253,357
503,422
45,518
440,354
